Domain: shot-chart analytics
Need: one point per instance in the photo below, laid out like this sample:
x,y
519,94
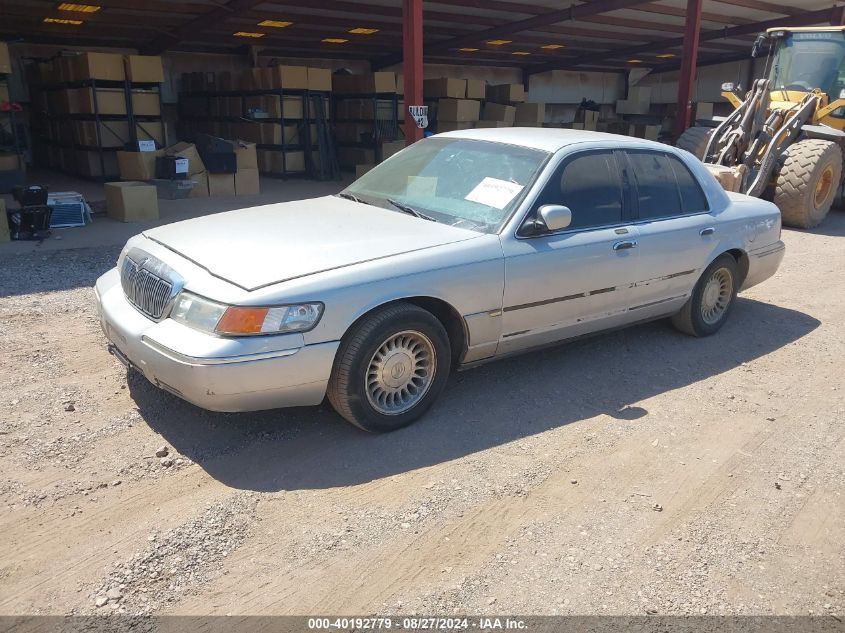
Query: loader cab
x,y
805,60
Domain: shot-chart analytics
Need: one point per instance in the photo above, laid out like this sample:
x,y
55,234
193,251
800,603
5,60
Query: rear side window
x,y
589,185
665,186
693,199
658,195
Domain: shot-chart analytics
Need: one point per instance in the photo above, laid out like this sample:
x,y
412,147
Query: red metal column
x,y
686,79
412,63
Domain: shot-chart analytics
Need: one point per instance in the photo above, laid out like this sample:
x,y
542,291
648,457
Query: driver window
x,y
589,185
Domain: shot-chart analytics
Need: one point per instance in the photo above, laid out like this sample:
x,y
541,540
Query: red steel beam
x,y
412,64
689,57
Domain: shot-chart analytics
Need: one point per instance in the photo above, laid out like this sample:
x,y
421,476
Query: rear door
x,y
677,233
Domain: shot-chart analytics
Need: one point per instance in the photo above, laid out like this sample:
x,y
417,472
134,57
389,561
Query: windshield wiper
x,y
349,196
410,210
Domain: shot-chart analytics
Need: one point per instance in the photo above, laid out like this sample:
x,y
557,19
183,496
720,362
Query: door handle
x,y
624,245
708,231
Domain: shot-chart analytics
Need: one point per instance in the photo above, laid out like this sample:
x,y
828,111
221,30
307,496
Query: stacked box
x,y
369,83
101,66
451,112
144,69
638,101
5,60
530,114
445,88
476,89
506,93
499,112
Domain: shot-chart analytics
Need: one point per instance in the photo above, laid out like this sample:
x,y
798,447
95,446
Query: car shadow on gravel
x,y
494,404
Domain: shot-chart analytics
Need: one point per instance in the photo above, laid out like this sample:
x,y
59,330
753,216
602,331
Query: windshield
x,y
462,182
806,61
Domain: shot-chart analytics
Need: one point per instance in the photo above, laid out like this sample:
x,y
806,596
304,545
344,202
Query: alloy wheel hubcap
x,y
400,372
716,296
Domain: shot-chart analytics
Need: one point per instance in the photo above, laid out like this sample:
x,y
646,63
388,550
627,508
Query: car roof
x,y
546,139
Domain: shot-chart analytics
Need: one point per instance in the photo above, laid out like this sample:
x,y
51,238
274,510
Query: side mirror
x,y
555,216
762,45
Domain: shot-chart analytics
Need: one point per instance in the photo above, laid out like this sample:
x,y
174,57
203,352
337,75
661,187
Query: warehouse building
x,y
148,112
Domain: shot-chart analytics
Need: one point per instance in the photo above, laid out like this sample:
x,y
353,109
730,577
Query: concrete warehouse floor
x,y
107,232
637,472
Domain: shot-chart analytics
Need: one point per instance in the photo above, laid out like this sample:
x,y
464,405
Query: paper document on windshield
x,y
494,192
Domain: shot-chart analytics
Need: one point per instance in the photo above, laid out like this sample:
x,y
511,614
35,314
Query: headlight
x,y
218,318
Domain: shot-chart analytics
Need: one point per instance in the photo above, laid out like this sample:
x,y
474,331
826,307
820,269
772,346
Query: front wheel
x,y
390,368
707,309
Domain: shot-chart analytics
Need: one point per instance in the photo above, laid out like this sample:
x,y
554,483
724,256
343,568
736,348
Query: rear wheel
x,y
694,140
707,309
390,368
808,181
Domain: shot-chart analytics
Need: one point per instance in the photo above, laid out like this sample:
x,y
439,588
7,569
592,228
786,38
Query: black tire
x,y
808,182
694,140
347,389
691,317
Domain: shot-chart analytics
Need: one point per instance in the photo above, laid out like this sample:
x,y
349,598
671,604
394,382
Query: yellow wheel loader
x,y
785,140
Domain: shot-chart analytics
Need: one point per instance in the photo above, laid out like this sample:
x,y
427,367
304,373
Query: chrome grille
x,y
145,290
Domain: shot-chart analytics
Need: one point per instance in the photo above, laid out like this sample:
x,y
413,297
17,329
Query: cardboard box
x,y
247,182
294,161
626,106
451,126
137,165
131,201
5,61
288,77
221,185
189,151
200,189
144,69
506,93
102,66
353,132
640,94
145,103
499,112
648,132
445,87
245,155
476,89
320,79
360,170
530,113
150,131
380,82
483,123
112,133
10,162
400,84
458,110
109,101
587,116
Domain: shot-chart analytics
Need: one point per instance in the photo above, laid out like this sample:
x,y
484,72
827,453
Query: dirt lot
x,y
637,472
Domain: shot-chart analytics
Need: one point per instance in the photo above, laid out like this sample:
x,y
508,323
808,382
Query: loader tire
x,y
808,182
694,140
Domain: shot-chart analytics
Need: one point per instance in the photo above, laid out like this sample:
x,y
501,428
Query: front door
x,y
576,280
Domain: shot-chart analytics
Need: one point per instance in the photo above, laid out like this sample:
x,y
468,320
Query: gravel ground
x,y
640,472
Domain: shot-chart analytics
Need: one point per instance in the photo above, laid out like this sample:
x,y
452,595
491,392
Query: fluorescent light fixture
x,y
363,31
276,24
468,50
666,55
552,47
80,8
521,53
635,61
334,40
248,34
498,42
62,21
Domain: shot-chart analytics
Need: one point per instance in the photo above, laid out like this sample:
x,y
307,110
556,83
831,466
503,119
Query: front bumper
x,y
216,373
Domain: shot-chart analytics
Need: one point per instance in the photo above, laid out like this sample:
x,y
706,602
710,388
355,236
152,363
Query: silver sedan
x,y
463,248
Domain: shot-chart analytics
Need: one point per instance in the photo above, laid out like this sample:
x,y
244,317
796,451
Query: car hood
x,y
264,245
